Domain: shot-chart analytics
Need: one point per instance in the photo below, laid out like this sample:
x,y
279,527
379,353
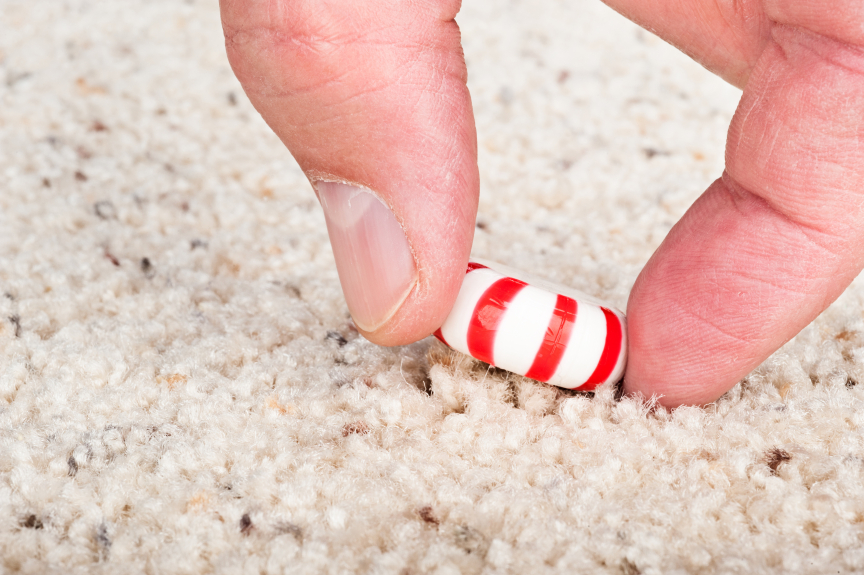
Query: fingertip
x,y
390,147
676,356
424,309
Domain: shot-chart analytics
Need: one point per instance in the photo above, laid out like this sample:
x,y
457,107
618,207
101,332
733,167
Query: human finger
x,y
726,37
371,100
773,242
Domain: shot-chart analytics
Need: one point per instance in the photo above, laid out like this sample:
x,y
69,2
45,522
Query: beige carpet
x,y
181,390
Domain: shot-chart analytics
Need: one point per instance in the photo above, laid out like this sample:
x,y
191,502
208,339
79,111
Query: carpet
x,y
182,389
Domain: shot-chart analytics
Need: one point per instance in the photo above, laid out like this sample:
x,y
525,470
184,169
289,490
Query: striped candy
x,y
532,328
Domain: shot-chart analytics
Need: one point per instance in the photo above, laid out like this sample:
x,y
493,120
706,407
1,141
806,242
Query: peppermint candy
x,y
537,329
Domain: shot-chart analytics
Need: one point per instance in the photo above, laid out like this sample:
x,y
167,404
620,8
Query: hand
x,y
370,98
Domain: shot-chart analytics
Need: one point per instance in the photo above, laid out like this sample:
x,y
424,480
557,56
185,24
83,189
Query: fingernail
x,y
375,263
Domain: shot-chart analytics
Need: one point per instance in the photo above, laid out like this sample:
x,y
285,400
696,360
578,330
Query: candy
x,y
540,330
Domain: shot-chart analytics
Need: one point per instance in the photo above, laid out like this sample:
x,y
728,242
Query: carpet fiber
x,y
182,391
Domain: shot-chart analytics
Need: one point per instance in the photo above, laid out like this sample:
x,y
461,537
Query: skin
x,y
374,93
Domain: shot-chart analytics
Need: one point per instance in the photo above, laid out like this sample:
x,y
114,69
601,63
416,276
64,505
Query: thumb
x,y
370,98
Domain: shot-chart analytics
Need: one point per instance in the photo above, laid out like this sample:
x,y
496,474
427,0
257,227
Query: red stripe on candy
x,y
555,341
487,317
475,266
611,351
440,336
